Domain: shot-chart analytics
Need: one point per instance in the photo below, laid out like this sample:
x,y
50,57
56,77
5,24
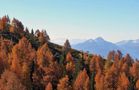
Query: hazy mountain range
x,y
102,47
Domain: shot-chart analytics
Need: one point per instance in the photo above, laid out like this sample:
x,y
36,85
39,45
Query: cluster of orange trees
x,y
29,61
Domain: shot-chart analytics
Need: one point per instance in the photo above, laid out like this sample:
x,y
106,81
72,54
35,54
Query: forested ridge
x,y
30,61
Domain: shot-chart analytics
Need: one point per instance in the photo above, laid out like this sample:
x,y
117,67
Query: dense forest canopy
x,y
29,61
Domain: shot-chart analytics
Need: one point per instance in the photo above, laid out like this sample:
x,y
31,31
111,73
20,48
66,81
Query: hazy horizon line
x,y
80,40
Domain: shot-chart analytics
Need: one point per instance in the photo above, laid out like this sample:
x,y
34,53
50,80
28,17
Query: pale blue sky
x,y
114,20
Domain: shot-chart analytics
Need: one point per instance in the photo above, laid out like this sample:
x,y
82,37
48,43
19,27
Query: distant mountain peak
x,y
136,41
102,47
128,42
90,40
99,39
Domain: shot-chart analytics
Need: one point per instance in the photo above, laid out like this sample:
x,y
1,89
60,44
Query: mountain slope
x,y
31,61
130,46
102,47
97,46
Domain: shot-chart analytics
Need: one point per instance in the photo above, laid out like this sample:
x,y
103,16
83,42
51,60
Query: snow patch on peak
x,y
99,39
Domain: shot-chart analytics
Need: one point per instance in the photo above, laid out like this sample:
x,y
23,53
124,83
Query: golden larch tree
x,y
44,56
69,57
111,78
52,73
123,82
70,65
134,70
21,52
64,84
10,81
82,81
99,79
49,86
22,57
137,84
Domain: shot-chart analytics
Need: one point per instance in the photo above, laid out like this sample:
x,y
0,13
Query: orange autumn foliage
x,y
123,82
52,73
137,84
44,56
99,79
70,67
64,84
31,61
96,64
111,78
21,52
69,57
4,21
82,81
134,70
49,87
10,81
